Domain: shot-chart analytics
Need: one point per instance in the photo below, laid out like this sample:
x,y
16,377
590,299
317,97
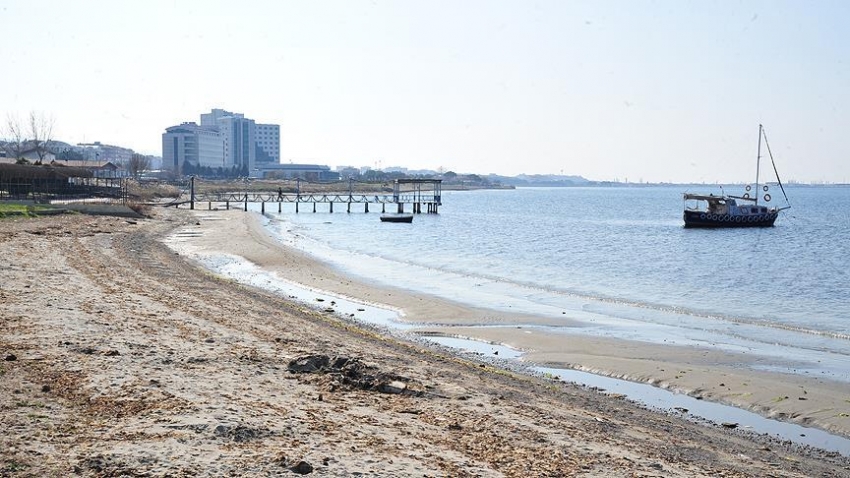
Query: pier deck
x,y
413,192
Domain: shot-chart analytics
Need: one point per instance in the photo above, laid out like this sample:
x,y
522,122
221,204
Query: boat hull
x,y
694,219
397,218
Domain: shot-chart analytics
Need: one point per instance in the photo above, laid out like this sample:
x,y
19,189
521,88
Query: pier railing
x,y
412,192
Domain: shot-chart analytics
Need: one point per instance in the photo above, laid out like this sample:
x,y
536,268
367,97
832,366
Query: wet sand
x,y
121,357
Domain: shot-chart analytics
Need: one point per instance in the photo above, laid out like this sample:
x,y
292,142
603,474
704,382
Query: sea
x,y
617,262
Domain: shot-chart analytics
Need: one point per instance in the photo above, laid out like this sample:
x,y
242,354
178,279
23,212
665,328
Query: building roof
x,y
86,164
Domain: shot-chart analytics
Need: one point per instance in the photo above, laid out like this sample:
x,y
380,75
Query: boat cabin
x,y
724,205
711,204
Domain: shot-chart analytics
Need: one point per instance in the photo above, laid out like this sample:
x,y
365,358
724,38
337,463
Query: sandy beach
x,y
121,357
713,375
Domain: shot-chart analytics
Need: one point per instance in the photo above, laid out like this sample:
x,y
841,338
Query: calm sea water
x,y
619,261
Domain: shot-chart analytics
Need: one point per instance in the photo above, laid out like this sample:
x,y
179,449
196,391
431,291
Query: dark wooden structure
x,y
413,192
51,183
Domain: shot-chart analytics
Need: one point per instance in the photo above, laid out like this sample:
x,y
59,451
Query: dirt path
x,y
119,358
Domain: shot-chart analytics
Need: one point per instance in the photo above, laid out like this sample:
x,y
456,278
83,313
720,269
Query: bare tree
x,y
41,130
138,164
16,139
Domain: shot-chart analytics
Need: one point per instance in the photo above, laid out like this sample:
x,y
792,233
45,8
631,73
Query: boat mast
x,y
773,163
758,162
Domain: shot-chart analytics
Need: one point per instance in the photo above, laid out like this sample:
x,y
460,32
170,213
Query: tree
x,y
16,138
138,164
41,130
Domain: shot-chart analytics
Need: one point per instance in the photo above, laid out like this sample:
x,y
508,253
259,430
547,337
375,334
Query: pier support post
x,y
383,207
279,207
314,207
349,207
227,204
400,207
263,207
367,208
332,207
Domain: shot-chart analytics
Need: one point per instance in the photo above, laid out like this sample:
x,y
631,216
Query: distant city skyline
x,y
646,91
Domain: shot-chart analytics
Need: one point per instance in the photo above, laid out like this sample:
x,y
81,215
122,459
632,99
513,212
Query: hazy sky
x,y
637,90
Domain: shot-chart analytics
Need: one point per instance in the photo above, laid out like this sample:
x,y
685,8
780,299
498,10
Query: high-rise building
x,y
243,142
240,149
268,143
211,118
239,133
197,145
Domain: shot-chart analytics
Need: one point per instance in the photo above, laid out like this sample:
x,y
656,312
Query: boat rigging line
x,y
779,181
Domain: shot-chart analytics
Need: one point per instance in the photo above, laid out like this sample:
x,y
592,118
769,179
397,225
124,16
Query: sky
x,y
653,91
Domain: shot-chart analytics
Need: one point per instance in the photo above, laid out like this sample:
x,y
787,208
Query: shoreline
x,y
718,376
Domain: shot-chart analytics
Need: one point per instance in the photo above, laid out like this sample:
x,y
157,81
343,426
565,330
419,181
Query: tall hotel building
x,y
223,139
239,143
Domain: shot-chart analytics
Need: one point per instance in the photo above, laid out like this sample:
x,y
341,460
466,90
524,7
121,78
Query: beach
x,y
122,357
708,373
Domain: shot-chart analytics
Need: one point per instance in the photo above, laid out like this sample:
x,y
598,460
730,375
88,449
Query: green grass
x,y
14,209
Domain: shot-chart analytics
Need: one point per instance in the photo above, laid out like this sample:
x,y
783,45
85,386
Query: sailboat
x,y
737,211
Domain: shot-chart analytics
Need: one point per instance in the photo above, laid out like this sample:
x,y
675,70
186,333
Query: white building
x,y
211,119
239,135
98,151
197,145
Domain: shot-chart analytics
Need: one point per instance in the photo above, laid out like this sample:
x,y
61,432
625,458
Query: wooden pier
x,y
412,192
